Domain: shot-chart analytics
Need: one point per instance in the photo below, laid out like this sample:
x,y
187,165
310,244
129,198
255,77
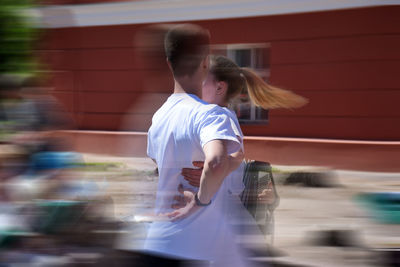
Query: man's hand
x,y
193,175
185,207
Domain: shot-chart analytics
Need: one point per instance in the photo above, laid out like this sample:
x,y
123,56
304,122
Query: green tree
x,y
17,37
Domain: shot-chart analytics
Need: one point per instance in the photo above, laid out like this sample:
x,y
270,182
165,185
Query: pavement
x,y
301,219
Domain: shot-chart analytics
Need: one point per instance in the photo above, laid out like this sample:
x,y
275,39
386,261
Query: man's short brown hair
x,y
186,45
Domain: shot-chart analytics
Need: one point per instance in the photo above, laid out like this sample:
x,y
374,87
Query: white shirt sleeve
x,y
236,128
216,124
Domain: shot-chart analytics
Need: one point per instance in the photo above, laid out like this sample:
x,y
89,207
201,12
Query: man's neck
x,y
188,87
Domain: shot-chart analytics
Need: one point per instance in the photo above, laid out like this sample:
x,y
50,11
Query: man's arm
x,y
193,175
216,168
235,160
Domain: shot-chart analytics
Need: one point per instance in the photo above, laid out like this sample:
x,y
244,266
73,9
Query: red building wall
x,y
346,62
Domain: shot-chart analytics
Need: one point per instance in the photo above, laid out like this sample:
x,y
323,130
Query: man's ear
x,y
222,88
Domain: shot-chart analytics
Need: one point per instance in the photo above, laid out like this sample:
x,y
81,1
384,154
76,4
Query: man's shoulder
x,y
211,113
215,110
195,105
209,108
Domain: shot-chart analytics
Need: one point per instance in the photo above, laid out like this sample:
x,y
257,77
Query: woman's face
x,y
209,91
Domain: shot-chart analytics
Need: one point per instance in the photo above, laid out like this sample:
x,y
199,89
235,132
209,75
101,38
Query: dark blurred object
x,y
387,257
312,179
268,251
141,259
336,238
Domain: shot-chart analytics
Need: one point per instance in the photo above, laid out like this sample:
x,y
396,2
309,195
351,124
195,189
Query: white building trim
x,y
165,11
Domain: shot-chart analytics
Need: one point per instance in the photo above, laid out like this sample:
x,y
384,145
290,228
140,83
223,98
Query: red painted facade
x,y
346,62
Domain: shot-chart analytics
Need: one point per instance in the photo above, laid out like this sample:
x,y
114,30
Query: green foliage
x,y
17,37
99,166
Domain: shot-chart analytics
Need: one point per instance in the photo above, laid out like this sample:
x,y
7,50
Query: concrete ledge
x,y
337,154
125,144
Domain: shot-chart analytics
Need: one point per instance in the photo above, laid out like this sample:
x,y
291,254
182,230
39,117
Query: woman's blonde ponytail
x,y
268,96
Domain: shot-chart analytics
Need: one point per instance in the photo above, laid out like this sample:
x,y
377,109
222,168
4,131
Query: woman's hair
x,y
261,93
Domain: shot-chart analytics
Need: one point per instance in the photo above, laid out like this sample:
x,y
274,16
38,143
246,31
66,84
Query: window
x,y
255,56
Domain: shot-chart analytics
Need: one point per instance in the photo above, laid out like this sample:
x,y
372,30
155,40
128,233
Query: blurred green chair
x,y
383,206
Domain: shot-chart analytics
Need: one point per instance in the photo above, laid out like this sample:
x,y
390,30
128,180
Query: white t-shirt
x,y
179,131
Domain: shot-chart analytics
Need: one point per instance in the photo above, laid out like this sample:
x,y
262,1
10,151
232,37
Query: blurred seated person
x,y
29,115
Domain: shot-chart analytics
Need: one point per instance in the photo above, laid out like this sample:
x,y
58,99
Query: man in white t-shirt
x,y
187,129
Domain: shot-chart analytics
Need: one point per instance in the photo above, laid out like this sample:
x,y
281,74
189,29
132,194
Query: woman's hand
x,y
193,175
183,198
185,205
267,196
